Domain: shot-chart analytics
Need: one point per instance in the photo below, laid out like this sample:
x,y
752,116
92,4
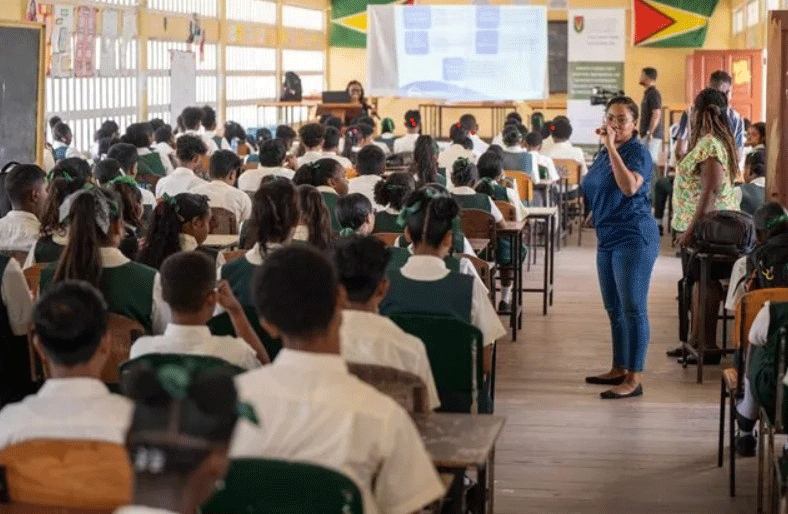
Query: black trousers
x,y
662,191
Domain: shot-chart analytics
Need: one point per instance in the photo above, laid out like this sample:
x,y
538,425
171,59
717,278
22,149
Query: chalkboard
x,y
556,49
21,93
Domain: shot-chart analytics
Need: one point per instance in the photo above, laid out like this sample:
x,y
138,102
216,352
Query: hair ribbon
x,y
776,220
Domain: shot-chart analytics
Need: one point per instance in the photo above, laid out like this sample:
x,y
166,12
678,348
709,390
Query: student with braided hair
x,y
391,193
407,142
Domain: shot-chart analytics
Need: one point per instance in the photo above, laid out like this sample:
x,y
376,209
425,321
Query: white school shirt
x,y
344,161
165,161
479,146
369,338
67,409
221,194
427,268
189,244
148,198
19,230
210,143
548,163
469,191
197,340
759,331
736,288
365,184
310,157
71,152
16,297
466,266
182,180
758,181
565,150
250,179
139,509
498,140
313,410
447,157
166,151
210,134
406,143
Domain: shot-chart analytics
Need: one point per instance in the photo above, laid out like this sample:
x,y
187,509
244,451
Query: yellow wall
x,y
11,9
350,63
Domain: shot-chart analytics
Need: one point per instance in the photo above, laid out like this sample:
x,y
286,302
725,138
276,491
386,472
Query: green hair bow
x,y
416,207
63,174
123,179
346,232
773,222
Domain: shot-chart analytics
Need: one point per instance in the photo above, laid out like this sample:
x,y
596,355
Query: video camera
x,y
601,96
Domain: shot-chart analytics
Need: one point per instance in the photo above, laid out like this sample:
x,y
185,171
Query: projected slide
x,y
464,52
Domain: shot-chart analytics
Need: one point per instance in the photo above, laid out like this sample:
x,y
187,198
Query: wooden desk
x,y
514,231
548,215
479,244
462,441
223,241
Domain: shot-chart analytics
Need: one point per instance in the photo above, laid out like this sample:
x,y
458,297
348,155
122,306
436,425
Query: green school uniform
x,y
151,163
475,201
331,202
449,296
764,361
499,193
47,250
387,222
238,274
218,141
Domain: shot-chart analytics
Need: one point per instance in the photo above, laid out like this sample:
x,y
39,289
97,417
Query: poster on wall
x,y
595,55
61,41
44,14
109,34
85,62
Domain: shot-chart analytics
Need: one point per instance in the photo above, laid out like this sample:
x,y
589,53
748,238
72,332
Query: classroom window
x,y
201,7
312,84
259,11
303,60
752,13
250,58
772,5
738,21
302,18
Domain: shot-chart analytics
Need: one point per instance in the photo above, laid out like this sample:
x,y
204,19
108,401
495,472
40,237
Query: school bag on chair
x,y
725,232
291,88
767,264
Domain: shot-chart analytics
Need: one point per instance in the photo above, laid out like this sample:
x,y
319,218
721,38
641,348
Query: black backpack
x,y
291,88
725,232
767,265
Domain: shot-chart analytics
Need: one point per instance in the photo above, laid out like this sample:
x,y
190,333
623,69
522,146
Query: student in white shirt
x,y
533,142
190,150
221,193
386,133
192,118
355,215
311,136
561,131
367,337
512,160
469,122
272,160
165,144
26,187
62,149
315,410
126,156
314,219
141,136
370,165
209,128
188,282
108,130
71,336
407,142
331,147
179,438
513,118
365,137
751,195
460,147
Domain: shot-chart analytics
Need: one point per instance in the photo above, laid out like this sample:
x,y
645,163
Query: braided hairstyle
x,y
168,218
429,214
464,172
393,191
710,116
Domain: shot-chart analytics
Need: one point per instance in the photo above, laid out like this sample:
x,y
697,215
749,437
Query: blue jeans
x,y
624,277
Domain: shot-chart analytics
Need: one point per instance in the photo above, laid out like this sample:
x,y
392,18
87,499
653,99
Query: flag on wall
x,y
671,23
349,21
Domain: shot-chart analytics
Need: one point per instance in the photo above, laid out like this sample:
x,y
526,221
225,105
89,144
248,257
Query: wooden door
x,y
777,114
746,68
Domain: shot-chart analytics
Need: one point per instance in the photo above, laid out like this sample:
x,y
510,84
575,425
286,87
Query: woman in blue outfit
x,y
616,189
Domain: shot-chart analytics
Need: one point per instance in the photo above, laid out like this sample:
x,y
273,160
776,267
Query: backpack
x,y
767,265
291,88
725,232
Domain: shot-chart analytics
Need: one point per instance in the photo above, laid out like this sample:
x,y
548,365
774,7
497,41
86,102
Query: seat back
x,y
456,357
33,277
405,388
263,486
188,361
123,332
748,308
525,186
68,474
569,170
507,210
223,221
399,159
482,268
351,173
231,255
479,224
387,238
151,179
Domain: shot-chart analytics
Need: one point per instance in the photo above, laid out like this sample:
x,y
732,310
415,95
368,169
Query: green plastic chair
x,y
262,486
222,326
456,358
196,362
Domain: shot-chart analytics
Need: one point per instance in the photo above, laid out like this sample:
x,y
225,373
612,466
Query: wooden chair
x,y
507,210
351,173
148,178
479,224
388,238
223,221
525,186
405,388
68,474
231,255
483,269
289,487
33,277
570,172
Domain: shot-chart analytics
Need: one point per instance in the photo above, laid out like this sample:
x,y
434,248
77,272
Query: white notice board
x,y
183,82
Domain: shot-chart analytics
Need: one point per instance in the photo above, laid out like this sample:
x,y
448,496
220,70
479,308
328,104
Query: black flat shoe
x,y
606,381
676,352
610,395
710,359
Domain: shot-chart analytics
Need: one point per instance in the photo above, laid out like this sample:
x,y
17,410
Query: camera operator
x,y
651,114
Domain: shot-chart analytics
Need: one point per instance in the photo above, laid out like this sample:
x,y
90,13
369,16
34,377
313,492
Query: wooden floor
x,y
563,450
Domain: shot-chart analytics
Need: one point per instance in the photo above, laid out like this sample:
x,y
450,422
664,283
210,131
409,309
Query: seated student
x,y
311,136
424,167
512,160
370,165
179,438
752,193
490,169
392,193
95,229
366,337
209,128
221,192
190,150
286,135
561,131
192,118
447,157
513,118
131,200
546,166
469,122
346,424
237,139
329,178
314,220
366,129
62,148
126,155
165,144
756,137
386,136
261,136
272,160
153,163
274,219
180,223
108,129
188,285
70,323
16,307
417,286
331,141
464,176
407,142
355,215
26,188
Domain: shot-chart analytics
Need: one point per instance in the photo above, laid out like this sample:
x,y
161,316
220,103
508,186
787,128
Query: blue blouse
x,y
621,221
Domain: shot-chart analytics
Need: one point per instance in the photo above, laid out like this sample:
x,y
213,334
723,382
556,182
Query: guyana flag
x,y
671,23
349,21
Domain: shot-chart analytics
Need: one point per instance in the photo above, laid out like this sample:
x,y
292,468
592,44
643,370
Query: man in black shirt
x,y
651,114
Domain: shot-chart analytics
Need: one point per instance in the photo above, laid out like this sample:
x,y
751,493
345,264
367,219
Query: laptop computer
x,y
336,97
